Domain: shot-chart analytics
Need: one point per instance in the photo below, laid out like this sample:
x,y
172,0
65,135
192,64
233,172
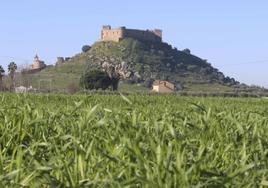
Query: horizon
x,y
230,35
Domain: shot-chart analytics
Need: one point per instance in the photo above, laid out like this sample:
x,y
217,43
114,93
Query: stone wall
x,y
142,35
109,34
62,60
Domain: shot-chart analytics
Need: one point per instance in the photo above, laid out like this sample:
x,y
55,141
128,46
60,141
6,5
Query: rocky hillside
x,y
139,62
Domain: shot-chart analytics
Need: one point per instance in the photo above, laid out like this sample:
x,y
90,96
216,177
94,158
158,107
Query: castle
x,y
37,64
118,34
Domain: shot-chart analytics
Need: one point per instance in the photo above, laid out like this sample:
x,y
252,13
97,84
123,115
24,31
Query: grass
x,y
61,76
133,141
133,88
213,87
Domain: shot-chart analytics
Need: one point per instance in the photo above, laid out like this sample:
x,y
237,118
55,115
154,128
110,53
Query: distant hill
x,y
139,63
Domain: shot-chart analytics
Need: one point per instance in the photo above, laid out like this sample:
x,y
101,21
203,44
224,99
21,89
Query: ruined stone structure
x,y
37,64
117,34
62,60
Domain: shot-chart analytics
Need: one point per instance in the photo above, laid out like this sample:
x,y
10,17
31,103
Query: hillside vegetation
x,y
156,61
140,63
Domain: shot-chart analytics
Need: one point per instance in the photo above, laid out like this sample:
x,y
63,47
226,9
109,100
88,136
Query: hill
x,y
139,64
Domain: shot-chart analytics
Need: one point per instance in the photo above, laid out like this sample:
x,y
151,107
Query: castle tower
x,y
109,34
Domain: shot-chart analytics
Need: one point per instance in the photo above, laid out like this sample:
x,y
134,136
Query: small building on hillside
x,y
37,64
161,86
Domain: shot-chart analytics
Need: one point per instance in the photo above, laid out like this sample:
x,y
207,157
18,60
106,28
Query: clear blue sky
x,y
232,35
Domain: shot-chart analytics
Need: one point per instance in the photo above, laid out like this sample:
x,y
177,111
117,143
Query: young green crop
x,y
132,141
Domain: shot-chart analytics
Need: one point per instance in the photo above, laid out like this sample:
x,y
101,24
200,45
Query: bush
x,y
148,83
187,51
95,79
86,48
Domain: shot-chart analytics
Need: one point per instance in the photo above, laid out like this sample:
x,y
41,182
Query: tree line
x,y
12,67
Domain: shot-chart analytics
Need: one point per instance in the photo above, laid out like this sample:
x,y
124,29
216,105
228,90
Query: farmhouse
x,y
161,86
117,34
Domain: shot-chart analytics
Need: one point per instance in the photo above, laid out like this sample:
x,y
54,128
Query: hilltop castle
x,y
118,34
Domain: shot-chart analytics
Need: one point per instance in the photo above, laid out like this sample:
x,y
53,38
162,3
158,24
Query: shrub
x,y
95,79
86,48
187,51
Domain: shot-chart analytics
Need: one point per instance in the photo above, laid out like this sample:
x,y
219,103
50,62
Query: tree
x,y
2,71
114,76
86,48
114,83
95,79
12,67
187,51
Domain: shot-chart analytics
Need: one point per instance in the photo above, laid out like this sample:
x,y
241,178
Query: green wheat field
x,y
50,140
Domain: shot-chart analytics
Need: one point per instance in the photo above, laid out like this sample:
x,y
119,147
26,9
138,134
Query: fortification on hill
x,y
117,34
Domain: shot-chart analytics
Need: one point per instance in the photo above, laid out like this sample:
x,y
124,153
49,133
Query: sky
x,y
231,35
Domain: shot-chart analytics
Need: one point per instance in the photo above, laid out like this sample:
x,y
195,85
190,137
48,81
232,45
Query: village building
x,y
117,34
161,86
37,64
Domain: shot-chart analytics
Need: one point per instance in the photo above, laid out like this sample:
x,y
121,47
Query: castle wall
x,y
112,34
142,35
158,32
109,34
60,61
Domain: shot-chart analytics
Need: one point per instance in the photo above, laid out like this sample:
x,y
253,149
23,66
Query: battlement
x,y
117,34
